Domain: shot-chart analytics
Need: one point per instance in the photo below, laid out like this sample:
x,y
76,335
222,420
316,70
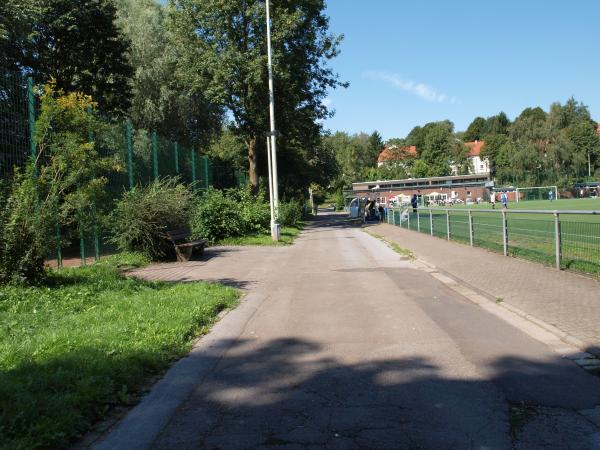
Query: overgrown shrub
x,y
290,213
25,224
229,213
339,200
144,215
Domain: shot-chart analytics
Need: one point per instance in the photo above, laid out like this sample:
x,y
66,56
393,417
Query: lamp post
x,y
272,151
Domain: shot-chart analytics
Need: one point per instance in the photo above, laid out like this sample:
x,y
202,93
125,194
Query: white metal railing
x,y
504,213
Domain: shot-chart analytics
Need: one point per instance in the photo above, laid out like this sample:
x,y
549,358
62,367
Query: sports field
x,y
530,236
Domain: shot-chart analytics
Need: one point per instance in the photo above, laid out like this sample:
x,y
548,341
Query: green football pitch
x,y
530,236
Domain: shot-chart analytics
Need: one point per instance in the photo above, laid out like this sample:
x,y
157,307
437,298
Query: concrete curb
x,y
142,425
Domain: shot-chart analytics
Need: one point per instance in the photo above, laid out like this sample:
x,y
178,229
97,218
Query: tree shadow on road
x,y
290,393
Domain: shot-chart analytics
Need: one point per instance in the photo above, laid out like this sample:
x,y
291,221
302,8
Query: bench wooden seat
x,y
184,248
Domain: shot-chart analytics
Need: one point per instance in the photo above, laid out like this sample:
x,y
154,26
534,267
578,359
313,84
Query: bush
x,y
290,213
229,213
144,215
339,200
25,223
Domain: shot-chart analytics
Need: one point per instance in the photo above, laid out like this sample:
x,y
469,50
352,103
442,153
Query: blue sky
x,y
412,62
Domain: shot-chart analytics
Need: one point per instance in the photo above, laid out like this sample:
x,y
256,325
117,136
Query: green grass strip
x,y
87,340
287,237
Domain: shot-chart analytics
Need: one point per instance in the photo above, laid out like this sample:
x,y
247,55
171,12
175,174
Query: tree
x,y
476,130
160,99
77,44
224,54
375,144
492,150
436,149
530,125
497,124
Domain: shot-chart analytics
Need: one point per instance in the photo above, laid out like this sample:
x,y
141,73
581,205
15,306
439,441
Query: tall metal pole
x,y
274,221
271,200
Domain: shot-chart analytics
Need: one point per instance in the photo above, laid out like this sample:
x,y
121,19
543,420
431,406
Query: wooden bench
x,y
184,248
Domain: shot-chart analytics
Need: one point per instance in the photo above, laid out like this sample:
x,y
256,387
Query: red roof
x,y
475,147
395,153
598,130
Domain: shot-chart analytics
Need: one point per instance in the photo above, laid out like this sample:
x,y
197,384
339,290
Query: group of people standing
x,y
503,200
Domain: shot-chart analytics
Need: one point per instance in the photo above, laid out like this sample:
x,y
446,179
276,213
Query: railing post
x,y
557,239
448,222
430,222
408,220
418,221
504,234
471,228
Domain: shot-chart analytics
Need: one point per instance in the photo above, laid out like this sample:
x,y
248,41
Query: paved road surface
x,y
354,347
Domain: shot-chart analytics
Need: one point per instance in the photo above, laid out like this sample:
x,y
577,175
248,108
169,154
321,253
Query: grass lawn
x,y
288,235
87,340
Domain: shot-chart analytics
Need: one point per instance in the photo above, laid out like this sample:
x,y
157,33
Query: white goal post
x,y
535,193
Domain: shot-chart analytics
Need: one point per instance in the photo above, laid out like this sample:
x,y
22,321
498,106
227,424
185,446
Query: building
x,y
396,155
463,187
478,165
598,129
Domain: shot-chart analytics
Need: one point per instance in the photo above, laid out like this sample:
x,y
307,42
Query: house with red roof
x,y
598,129
396,155
479,165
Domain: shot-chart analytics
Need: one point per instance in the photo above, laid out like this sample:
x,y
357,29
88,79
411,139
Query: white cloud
x,y
327,102
419,89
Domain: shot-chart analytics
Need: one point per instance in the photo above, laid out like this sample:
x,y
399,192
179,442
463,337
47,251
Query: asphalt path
x,y
353,346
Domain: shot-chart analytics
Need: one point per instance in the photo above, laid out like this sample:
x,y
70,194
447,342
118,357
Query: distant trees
x,y
559,147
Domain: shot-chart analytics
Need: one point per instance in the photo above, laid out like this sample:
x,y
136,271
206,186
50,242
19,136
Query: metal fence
x,y
145,156
563,239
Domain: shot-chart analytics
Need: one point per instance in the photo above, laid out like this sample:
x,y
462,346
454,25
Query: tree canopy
x,y
223,45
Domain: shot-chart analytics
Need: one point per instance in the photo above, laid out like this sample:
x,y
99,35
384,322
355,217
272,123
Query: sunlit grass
x,y
87,340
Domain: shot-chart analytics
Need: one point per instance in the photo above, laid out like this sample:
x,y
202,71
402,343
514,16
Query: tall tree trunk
x,y
252,165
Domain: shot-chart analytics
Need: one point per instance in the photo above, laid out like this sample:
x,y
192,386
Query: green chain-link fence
x,y
564,239
144,155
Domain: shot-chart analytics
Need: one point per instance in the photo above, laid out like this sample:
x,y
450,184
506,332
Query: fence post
x,y
504,234
557,239
31,117
193,168
408,220
58,239
206,170
96,237
418,221
128,132
155,154
176,157
81,242
448,223
471,228
430,222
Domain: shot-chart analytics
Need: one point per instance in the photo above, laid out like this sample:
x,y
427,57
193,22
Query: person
x,y
493,199
380,209
550,196
414,203
504,199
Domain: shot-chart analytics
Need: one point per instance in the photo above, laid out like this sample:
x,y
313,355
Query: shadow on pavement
x,y
288,393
